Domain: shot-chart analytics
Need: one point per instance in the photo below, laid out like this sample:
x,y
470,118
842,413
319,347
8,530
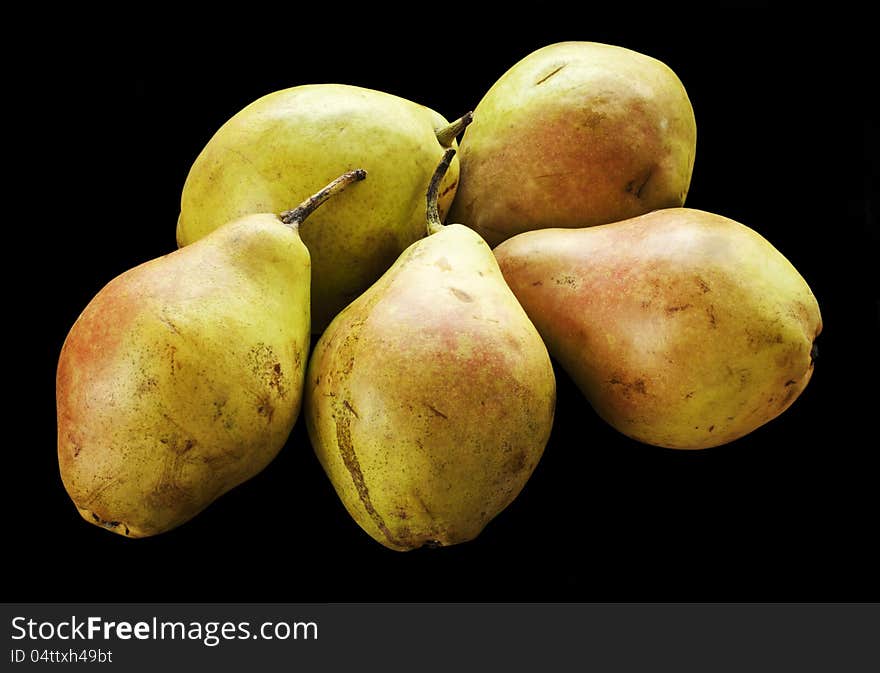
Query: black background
x,y
786,144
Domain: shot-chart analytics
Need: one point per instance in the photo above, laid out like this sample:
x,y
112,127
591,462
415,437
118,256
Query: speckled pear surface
x,y
183,377
429,399
294,141
574,135
682,328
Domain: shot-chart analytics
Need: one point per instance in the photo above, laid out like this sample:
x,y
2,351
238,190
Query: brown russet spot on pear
x,y
575,134
293,141
684,329
183,376
453,389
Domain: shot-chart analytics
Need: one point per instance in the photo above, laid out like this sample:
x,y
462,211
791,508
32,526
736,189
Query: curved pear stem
x,y
434,222
448,133
296,216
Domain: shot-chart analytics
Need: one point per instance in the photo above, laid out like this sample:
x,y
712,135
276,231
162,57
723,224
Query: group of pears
x,y
430,394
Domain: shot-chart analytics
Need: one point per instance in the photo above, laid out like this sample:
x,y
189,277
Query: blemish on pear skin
x,y
107,524
703,285
173,362
632,188
517,463
760,340
218,408
266,408
449,188
96,493
349,458
348,406
266,367
276,380
148,383
710,311
437,411
461,295
170,324
670,310
550,74
443,264
638,386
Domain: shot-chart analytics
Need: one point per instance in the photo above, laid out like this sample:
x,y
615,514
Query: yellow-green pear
x,y
683,328
183,377
430,398
291,142
574,135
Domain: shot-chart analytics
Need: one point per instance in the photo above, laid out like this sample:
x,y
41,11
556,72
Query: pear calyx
x,y
434,222
296,216
447,134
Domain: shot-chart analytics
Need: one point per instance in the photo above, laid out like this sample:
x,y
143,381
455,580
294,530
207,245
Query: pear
x,y
291,142
183,376
430,398
574,135
684,329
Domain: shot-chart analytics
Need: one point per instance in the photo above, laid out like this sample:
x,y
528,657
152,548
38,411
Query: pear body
x,y
294,141
429,399
576,134
683,329
183,377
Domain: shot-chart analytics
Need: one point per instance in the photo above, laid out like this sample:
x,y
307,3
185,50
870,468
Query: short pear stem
x,y
296,216
448,133
434,222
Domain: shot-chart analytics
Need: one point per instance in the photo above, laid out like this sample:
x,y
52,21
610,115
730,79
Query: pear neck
x,y
447,134
434,222
296,216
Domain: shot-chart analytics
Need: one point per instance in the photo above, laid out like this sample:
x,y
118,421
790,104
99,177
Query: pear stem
x,y
434,222
296,216
448,133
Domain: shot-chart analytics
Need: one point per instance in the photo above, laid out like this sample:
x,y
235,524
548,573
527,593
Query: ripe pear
x,y
183,377
574,135
683,328
291,142
430,398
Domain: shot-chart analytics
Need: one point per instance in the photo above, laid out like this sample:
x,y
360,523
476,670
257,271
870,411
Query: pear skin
x,y
430,398
575,134
183,377
294,141
684,329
